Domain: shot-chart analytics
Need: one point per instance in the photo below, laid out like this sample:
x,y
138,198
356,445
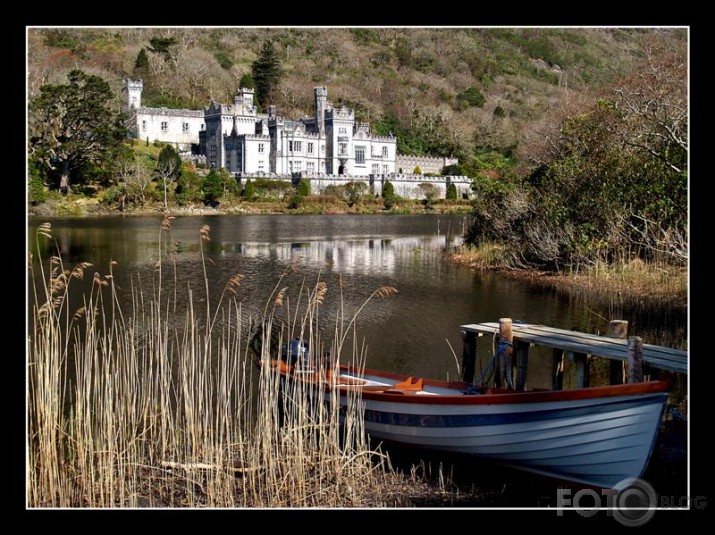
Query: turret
x,y
321,104
243,101
133,90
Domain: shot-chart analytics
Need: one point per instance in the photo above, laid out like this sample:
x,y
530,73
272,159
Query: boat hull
x,y
595,442
593,436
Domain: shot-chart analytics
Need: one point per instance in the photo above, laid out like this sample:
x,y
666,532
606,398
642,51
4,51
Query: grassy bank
x,y
79,205
631,286
162,405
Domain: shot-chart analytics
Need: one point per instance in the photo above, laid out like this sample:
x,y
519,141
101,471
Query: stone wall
x,y
427,164
405,185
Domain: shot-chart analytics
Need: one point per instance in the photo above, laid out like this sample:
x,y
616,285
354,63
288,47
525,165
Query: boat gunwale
x,y
393,395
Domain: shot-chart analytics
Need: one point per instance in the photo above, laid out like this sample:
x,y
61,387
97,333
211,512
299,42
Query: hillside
x,y
443,91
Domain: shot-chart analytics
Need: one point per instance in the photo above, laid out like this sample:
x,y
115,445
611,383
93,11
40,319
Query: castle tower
x,y
243,101
133,90
321,104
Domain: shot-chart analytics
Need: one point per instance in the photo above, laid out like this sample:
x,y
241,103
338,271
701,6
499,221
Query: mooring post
x,y
506,340
635,359
521,350
557,373
469,355
617,329
583,375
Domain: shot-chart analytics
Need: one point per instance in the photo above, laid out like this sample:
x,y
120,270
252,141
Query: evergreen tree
x,y
249,190
247,81
266,72
74,128
36,191
141,65
451,192
162,46
388,195
303,188
212,188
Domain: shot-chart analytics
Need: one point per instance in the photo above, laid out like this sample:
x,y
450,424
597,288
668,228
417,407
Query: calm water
x,y
411,332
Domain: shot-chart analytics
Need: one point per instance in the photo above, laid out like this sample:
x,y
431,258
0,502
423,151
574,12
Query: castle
x,y
330,148
236,137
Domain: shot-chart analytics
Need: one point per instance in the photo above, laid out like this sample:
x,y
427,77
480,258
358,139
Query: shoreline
x,y
633,287
311,205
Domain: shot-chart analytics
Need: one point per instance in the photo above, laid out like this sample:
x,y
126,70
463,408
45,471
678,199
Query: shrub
x,y
388,195
471,97
223,59
36,188
303,188
212,188
451,192
249,190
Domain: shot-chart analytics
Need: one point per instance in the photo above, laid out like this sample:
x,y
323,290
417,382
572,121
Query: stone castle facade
x,y
236,137
330,148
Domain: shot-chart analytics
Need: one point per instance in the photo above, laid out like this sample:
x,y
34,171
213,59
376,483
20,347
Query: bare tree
x,y
168,168
656,101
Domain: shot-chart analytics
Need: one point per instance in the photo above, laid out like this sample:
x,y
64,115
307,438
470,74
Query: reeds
x,y
162,405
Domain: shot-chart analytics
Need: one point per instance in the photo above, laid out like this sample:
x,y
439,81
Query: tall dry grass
x,y
161,405
622,285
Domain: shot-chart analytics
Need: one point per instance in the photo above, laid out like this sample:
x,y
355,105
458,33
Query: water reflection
x,y
416,331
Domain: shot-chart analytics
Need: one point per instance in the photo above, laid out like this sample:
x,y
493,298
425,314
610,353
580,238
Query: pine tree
x,y
141,65
266,72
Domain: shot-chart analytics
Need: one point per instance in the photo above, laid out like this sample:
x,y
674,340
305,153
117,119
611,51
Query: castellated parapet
x,y
345,114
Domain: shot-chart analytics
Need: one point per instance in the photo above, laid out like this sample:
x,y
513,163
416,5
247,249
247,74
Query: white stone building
x,y
236,137
178,127
330,148
329,143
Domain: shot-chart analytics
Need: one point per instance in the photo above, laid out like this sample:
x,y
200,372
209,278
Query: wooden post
x,y
583,375
635,359
521,349
557,373
617,329
505,336
469,355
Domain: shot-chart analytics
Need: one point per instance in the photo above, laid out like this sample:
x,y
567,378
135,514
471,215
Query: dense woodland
x,y
576,138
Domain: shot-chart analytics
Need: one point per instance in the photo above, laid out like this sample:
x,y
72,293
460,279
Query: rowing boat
x,y
596,436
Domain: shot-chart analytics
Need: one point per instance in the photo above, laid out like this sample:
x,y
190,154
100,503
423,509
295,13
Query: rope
x,y
502,346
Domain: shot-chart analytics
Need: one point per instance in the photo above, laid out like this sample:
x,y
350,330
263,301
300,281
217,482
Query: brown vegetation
x,y
162,405
527,77
632,285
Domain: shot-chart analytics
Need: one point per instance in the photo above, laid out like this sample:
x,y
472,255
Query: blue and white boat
x,y
595,436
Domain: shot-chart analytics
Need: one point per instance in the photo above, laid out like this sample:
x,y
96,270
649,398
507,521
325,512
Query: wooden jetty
x,y
628,355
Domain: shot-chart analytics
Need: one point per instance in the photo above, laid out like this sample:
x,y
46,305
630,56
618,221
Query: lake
x,y
415,331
